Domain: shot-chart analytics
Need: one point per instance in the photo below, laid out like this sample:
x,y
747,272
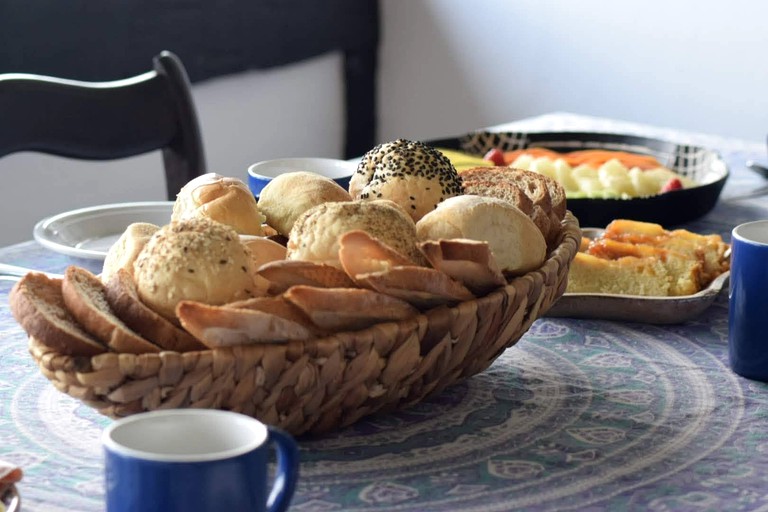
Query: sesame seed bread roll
x,y
124,252
315,235
515,242
305,190
194,259
412,174
223,199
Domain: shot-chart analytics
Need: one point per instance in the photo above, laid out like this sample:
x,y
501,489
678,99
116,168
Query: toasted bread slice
x,y
421,287
85,297
125,302
225,326
361,253
347,309
470,262
282,274
37,303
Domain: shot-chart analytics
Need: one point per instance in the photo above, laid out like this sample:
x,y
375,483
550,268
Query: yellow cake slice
x,y
640,258
624,276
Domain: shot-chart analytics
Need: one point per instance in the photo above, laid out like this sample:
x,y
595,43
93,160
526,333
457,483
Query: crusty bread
x,y
194,259
283,274
347,309
516,243
37,303
223,326
124,252
85,297
410,173
475,183
223,199
556,195
509,184
125,302
315,235
263,250
470,262
374,265
305,190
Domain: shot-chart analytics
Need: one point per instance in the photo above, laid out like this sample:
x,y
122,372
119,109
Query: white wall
x,y
447,67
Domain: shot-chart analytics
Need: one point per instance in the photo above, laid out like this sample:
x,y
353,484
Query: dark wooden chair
x,y
106,120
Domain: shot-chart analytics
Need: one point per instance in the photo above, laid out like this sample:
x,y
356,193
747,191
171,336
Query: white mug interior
x,y
752,232
184,435
328,167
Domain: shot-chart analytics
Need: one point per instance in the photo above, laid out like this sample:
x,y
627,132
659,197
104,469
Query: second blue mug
x,y
196,459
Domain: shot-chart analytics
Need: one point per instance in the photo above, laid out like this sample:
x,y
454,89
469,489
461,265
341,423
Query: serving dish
x,y
702,165
637,308
328,382
90,232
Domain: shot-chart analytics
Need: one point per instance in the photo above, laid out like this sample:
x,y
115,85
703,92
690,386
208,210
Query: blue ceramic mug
x,y
748,301
203,460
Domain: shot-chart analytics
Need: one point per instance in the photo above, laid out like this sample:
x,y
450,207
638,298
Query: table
x,y
578,415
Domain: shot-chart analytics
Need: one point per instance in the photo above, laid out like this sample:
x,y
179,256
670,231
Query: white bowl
x,y
261,173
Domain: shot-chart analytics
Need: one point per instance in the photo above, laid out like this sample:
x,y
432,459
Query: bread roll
x,y
195,259
516,243
290,194
415,176
124,252
315,235
539,197
225,200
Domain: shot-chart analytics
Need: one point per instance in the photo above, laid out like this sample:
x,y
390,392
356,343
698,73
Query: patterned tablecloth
x,y
579,415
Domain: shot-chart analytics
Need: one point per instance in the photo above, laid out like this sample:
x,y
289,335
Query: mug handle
x,y
287,471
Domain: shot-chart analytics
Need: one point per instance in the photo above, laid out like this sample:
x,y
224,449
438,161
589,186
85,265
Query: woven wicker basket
x,y
322,384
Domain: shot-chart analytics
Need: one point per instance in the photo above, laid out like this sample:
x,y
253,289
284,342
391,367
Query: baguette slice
x,y
226,326
85,297
347,309
37,303
125,302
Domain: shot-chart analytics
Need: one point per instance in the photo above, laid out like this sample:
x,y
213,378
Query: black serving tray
x,y
704,166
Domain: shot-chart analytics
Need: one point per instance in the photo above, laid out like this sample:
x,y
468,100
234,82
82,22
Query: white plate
x,y
90,232
637,308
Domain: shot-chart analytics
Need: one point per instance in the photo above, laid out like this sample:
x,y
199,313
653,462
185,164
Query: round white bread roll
x,y
223,199
290,194
124,252
194,259
315,235
415,176
515,241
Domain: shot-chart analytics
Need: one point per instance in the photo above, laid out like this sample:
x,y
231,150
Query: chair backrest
x,y
106,120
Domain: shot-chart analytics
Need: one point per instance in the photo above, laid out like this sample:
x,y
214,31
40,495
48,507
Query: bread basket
x,y
323,384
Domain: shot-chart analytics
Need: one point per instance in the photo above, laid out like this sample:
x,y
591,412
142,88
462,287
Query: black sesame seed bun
x,y
410,173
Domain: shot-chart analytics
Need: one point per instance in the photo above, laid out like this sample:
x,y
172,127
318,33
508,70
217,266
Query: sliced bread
x,y
85,297
487,181
525,189
37,303
125,302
